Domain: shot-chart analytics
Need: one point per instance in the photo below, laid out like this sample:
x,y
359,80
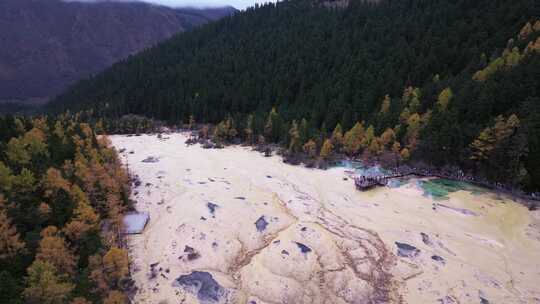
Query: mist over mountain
x,y
49,44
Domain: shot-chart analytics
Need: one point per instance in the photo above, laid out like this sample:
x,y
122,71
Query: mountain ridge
x,y
50,44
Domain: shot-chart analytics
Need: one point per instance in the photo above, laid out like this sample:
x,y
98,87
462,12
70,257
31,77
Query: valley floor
x,y
231,226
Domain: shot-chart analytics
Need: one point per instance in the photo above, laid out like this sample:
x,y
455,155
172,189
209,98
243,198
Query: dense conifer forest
x,y
447,83
62,193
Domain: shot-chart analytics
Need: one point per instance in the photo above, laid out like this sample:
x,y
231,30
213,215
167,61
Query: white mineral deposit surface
x,y
231,226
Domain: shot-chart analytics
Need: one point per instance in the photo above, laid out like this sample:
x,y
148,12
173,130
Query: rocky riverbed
x,y
231,226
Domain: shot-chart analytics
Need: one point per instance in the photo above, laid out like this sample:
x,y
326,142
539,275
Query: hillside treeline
x,y
448,83
62,194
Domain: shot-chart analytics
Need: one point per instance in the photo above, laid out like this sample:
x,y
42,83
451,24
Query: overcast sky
x,y
239,4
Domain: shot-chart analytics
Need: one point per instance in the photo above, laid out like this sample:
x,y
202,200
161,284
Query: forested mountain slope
x,y
49,44
419,79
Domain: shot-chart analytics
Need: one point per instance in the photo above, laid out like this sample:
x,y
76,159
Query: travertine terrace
x,y
231,226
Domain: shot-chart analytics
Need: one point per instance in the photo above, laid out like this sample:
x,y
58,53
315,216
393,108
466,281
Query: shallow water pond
x,y
360,168
439,188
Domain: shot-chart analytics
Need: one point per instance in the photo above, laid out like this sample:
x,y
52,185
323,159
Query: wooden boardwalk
x,y
364,183
367,182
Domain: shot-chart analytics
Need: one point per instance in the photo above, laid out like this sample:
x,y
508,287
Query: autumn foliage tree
x,y
80,300
353,139
108,270
53,249
58,181
337,136
115,297
249,132
295,142
310,148
327,149
85,219
45,286
225,130
498,149
10,242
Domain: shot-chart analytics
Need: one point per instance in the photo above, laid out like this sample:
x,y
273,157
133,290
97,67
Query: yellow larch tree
x,y
10,242
54,250
444,98
79,300
385,105
327,149
45,285
310,148
84,219
294,134
115,297
337,136
353,138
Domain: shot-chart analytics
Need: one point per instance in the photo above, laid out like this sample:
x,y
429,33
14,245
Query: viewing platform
x,y
364,183
367,182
